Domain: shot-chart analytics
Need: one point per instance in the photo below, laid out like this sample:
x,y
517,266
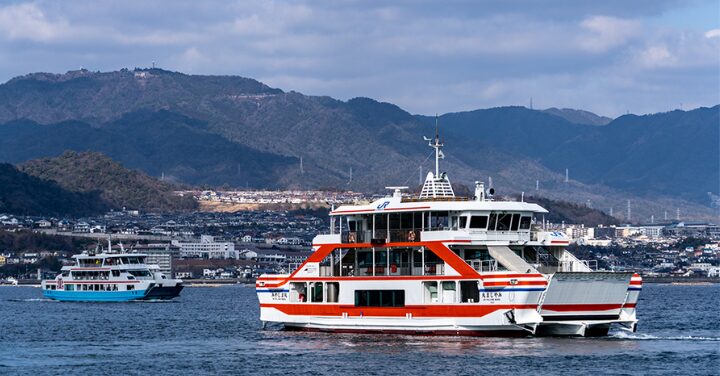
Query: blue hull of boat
x,y
95,296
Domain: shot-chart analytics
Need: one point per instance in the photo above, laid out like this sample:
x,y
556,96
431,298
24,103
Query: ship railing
x,y
356,237
424,199
483,265
577,265
434,268
406,235
381,236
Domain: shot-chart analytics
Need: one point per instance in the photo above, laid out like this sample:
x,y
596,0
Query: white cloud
x,y
603,33
714,33
657,56
602,56
28,21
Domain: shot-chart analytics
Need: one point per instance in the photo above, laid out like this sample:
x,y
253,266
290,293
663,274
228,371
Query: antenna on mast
x,y
436,185
437,145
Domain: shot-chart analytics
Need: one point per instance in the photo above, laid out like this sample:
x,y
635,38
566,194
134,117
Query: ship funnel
x,y
490,192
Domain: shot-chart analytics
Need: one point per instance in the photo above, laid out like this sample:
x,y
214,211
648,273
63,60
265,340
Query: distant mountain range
x,y
78,184
219,130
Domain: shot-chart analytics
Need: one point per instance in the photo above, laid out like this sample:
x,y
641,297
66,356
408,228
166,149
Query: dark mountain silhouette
x,y
118,187
224,129
24,194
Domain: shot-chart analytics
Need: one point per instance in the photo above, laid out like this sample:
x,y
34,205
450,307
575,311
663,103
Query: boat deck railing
x,y
441,199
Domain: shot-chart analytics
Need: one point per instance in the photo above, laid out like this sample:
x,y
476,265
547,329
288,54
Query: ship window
x,y
298,292
479,221
69,287
515,222
380,298
469,292
463,222
493,221
140,273
317,292
65,274
503,223
333,292
116,273
130,287
430,292
448,291
524,223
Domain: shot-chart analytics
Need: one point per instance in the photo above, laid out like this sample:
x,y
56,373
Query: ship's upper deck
x,y
454,204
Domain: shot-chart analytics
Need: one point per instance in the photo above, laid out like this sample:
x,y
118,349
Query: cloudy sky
x,y
605,56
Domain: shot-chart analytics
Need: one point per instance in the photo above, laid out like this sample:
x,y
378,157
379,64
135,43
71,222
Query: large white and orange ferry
x,y
439,264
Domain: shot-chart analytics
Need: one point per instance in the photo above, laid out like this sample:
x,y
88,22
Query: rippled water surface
x,y
216,330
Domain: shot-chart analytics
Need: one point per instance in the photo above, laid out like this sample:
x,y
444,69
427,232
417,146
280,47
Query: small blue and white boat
x,y
110,277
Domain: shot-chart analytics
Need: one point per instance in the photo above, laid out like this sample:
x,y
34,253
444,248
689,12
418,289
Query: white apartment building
x,y
159,254
208,248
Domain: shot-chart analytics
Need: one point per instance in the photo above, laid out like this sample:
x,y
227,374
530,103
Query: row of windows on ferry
x,y
401,261
105,274
407,226
110,261
89,287
445,292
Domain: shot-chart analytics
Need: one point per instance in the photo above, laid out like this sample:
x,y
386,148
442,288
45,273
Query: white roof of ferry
x,y
395,204
107,255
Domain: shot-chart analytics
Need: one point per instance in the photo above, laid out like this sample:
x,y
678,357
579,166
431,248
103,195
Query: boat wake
x,y
31,300
650,337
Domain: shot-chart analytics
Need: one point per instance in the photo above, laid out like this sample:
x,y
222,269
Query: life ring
x,y
301,297
393,268
60,284
411,236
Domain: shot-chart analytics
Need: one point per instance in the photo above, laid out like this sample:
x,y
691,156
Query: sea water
x,y
215,330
